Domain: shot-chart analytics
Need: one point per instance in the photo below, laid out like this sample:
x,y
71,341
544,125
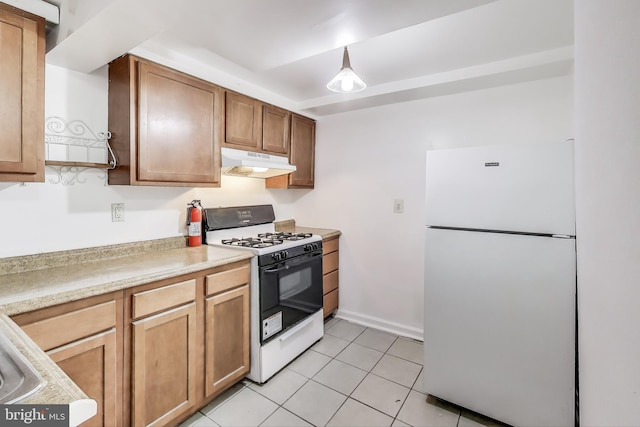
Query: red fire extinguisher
x,y
194,223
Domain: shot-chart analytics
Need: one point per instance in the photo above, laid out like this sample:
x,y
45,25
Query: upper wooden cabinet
x,y
166,126
275,129
243,121
302,155
255,126
22,47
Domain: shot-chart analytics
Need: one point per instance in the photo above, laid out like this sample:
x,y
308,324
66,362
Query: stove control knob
x,y
311,247
278,256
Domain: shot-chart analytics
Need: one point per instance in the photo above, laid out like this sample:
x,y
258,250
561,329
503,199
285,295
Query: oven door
x,y
290,291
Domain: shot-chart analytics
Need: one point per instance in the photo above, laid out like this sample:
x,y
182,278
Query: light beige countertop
x,y
36,281
30,290
291,227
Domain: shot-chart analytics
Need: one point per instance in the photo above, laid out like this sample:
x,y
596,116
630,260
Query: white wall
x,y
44,217
607,112
366,159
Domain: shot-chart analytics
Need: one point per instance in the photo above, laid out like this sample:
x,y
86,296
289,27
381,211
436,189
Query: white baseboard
x,y
381,324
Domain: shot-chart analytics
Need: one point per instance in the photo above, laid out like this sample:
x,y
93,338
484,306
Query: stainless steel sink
x,y
18,379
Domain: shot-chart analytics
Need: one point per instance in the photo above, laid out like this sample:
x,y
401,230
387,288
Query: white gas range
x,y
286,283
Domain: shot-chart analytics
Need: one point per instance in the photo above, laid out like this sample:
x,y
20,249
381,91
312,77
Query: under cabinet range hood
x,y
254,165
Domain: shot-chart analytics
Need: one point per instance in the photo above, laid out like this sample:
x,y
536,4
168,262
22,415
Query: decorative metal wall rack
x,y
72,148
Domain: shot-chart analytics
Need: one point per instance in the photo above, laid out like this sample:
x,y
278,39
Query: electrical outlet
x,y
398,206
117,212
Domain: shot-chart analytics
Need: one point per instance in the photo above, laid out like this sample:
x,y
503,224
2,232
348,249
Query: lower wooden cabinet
x,y
85,339
156,353
91,364
330,268
163,352
187,342
227,356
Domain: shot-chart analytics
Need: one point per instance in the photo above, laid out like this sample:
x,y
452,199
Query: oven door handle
x,y
293,262
275,270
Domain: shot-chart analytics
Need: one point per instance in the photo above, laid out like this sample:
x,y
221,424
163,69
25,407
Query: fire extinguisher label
x,y
194,229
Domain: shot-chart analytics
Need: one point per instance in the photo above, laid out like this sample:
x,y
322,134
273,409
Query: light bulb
x,y
347,84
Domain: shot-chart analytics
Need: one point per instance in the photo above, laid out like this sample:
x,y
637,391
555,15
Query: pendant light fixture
x,y
346,81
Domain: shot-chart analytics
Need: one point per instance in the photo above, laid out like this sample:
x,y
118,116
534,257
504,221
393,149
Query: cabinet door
x,y
84,338
164,366
303,148
275,129
301,154
179,124
22,88
227,339
91,364
243,121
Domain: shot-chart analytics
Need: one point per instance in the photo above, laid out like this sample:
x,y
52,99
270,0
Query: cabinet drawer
x,y
330,262
154,300
65,328
229,279
330,246
330,302
330,282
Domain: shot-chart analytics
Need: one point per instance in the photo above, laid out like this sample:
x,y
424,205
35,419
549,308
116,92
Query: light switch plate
x,y
398,206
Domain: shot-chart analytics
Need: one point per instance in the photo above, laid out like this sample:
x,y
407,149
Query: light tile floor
x,y
354,376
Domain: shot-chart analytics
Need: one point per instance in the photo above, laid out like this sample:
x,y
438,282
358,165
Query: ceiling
x,y
286,51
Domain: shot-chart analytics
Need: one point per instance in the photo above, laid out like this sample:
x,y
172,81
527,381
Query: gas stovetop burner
x,y
253,242
285,236
265,240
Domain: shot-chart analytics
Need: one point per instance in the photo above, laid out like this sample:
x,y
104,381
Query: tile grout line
x,y
370,371
335,322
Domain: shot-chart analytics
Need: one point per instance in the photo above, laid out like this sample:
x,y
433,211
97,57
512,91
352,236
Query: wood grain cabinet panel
x,y
227,328
186,342
227,339
255,126
166,126
22,47
85,339
301,154
275,130
91,364
164,366
330,275
243,121
154,300
163,344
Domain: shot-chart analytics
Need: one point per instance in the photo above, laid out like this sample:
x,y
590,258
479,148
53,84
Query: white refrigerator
x,y
500,282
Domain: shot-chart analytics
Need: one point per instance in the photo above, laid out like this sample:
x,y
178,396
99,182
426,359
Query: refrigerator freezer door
x,y
525,188
499,335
